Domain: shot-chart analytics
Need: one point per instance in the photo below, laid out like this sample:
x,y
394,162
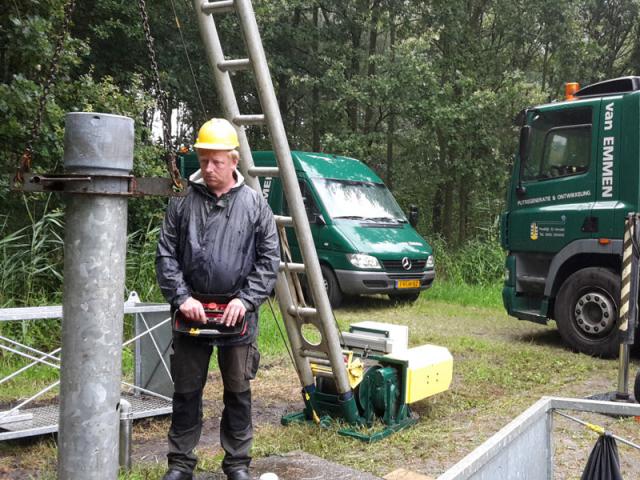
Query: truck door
x,y
552,202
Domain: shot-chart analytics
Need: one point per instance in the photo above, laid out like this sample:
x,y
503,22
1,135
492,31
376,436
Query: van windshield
x,y
358,200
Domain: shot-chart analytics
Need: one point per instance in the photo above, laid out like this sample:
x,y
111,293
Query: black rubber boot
x,y
239,475
173,474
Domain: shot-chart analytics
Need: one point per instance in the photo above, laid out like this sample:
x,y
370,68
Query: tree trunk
x,y
447,207
545,61
355,32
371,67
283,81
4,64
283,99
144,136
391,125
352,104
447,154
436,209
315,92
443,199
464,187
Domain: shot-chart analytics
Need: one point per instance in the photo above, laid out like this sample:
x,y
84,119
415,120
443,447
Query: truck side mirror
x,y
413,215
525,139
525,135
319,220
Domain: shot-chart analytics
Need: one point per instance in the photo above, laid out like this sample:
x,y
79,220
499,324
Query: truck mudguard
x,y
587,245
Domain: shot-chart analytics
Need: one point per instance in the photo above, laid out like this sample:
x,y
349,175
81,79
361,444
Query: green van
x,y
364,241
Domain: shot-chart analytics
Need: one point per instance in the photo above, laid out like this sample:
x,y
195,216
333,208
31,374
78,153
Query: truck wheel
x,y
586,311
331,285
404,297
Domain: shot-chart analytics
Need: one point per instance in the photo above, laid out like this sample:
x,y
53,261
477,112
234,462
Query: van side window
x,y
560,144
309,204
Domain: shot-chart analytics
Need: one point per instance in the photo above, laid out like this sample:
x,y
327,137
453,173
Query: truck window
x,y
560,144
567,151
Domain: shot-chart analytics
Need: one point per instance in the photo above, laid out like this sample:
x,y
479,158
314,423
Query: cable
x,y
186,51
598,429
284,340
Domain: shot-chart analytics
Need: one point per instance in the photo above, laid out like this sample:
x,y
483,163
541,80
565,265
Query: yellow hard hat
x,y
217,134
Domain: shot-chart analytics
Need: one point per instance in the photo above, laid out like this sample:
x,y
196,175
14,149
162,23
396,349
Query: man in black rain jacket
x,y
219,239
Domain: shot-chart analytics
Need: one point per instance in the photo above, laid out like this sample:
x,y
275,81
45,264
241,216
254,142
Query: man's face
x,y
217,168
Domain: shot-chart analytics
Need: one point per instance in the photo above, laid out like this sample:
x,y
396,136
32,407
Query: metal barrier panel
x,y
523,449
152,353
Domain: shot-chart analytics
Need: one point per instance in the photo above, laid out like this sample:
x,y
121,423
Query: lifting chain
x,y
26,159
161,98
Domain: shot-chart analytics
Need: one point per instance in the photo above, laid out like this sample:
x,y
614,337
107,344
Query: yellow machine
x,y
428,369
385,375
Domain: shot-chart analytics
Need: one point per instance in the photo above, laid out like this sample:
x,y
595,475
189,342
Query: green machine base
x,y
378,399
363,433
378,434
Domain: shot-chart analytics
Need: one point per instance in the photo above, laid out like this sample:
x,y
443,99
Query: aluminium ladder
x,y
294,311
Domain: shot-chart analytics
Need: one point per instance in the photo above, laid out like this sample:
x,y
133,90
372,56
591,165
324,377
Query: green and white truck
x,y
576,176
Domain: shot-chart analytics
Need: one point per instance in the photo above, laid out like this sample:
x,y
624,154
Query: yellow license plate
x,y
408,284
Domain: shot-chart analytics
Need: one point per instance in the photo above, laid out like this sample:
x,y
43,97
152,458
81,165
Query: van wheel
x,y
331,286
586,311
404,297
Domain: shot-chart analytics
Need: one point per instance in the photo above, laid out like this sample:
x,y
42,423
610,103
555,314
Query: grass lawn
x,y
501,366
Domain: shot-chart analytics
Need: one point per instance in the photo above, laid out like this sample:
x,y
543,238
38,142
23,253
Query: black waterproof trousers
x,y
189,368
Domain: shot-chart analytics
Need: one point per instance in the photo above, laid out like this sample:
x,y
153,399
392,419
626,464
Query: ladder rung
x,y
234,65
221,6
283,221
321,371
314,355
249,120
264,171
292,267
302,311
320,361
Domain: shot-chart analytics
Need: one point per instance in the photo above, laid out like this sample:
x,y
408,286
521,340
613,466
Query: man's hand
x,y
234,312
193,310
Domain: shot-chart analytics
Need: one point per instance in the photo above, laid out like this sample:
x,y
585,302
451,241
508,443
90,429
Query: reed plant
x,y
31,264
31,257
479,261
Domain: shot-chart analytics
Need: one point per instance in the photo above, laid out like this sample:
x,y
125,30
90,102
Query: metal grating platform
x,y
45,419
152,376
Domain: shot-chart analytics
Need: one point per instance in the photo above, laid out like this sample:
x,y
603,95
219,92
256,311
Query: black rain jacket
x,y
224,245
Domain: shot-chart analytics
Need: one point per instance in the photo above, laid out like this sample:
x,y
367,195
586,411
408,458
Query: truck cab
x,y
575,178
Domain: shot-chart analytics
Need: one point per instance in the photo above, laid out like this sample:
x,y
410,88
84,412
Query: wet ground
x,y
298,466
451,425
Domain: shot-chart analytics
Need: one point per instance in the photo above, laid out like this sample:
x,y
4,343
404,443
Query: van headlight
x,y
362,260
430,262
